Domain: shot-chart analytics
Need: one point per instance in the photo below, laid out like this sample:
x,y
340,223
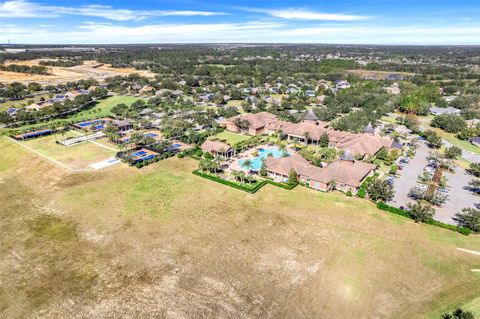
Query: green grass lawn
x,y
236,103
465,145
230,137
104,107
76,156
473,306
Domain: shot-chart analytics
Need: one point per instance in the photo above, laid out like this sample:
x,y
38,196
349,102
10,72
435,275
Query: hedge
x,y
362,192
366,182
282,185
242,187
462,230
431,221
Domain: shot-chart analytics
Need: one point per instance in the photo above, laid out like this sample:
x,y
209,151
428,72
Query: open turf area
x,y
104,107
230,137
162,242
75,157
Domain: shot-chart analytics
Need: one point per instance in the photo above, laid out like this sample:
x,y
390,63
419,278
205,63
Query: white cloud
x,y
95,33
27,9
302,14
360,34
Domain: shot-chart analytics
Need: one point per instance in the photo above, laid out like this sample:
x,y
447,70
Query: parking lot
x,y
458,196
408,176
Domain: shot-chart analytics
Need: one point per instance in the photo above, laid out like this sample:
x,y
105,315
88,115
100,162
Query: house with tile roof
x,y
345,174
217,148
252,124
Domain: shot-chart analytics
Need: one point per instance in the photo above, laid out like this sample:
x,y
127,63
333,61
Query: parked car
x,y
443,190
390,180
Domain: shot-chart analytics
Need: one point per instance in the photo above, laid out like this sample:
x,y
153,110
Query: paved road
x,y
409,175
469,156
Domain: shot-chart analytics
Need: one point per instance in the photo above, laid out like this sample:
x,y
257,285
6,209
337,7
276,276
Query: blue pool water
x,y
177,145
88,123
263,153
151,134
139,153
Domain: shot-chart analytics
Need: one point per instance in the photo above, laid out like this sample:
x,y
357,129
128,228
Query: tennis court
x,y
98,124
142,155
36,134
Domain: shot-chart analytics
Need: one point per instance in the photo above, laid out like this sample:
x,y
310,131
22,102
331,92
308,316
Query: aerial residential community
x,y
234,178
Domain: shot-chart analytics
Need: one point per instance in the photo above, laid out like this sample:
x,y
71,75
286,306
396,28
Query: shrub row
x,y
431,221
281,185
253,189
461,230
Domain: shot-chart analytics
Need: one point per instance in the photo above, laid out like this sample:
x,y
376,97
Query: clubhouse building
x,y
346,174
309,131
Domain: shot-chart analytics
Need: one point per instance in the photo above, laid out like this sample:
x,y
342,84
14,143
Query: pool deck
x,y
234,163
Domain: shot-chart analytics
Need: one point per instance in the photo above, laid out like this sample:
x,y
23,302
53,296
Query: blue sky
x,y
189,21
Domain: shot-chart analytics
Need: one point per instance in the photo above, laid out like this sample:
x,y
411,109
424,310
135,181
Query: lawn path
x,y
474,252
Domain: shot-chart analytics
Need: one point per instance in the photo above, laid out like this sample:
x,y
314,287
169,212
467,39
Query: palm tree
x,y
235,174
282,148
280,134
54,128
63,131
295,144
247,164
333,184
218,160
306,135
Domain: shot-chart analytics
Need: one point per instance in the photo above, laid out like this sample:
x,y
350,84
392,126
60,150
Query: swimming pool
x,y
262,153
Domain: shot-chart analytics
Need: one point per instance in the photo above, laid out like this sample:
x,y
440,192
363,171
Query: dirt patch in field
x,y
67,74
381,75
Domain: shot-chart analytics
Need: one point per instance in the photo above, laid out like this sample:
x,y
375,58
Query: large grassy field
x,y
161,242
76,157
104,107
230,137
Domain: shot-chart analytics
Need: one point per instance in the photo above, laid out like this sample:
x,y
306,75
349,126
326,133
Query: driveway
x,y
458,197
409,174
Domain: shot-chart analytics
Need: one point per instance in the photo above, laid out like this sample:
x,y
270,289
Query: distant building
x,y
393,90
394,77
444,110
475,141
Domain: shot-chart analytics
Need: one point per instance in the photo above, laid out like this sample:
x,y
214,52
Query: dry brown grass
x,y
67,74
378,74
161,242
